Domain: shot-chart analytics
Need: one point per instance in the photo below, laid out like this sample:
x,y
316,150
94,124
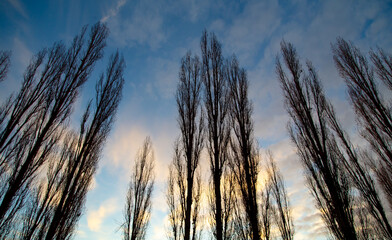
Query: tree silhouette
x,y
373,113
228,194
43,196
245,157
54,203
361,177
187,153
34,118
176,219
85,152
281,211
317,147
266,210
228,204
138,203
216,99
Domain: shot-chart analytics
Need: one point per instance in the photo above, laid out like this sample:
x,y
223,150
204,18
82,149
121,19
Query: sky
x,y
153,36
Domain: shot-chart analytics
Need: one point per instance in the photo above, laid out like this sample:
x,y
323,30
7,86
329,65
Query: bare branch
x,y
216,100
4,64
245,156
282,210
187,152
319,152
138,203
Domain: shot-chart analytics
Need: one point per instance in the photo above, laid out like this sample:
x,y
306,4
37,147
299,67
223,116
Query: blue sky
x,y
153,35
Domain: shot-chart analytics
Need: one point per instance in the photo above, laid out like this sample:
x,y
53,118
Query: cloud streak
x,y
113,11
18,6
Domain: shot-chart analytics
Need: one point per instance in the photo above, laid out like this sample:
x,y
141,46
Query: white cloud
x,y
113,11
158,232
96,217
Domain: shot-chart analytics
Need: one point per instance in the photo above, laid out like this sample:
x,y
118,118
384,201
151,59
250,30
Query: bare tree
x,y
228,204
176,199
242,229
245,156
138,203
228,193
187,151
4,64
317,147
282,211
83,160
175,227
373,113
33,118
43,196
361,177
217,111
54,204
197,226
266,210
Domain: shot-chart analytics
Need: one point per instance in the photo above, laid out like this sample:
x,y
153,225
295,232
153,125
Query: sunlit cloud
x,y
123,147
158,232
127,139
81,233
96,217
93,184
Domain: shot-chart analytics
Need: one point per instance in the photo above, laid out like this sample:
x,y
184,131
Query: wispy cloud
x,y
141,25
164,78
22,53
255,25
113,11
194,9
19,8
20,59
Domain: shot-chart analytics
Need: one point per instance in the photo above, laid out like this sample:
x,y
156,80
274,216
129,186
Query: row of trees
x,y
45,166
215,113
339,174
